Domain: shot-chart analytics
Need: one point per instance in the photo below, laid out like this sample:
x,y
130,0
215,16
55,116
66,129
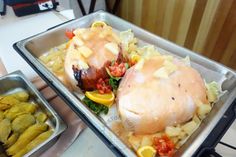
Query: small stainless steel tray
x,y
30,49
15,82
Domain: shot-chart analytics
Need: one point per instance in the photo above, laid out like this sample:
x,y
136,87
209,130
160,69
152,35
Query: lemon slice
x,y
98,24
146,151
104,99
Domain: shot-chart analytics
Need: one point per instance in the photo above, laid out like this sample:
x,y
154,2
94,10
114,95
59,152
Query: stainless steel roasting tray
x,y
205,136
15,82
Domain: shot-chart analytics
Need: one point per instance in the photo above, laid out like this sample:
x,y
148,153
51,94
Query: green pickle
x,y
22,122
5,130
25,138
12,139
38,140
41,117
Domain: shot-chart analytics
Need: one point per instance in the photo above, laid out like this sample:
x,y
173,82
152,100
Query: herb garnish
x,y
95,107
114,82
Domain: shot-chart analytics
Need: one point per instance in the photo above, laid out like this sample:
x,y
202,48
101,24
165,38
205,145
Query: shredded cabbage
x,y
140,64
161,73
212,91
186,60
168,58
203,110
148,51
169,66
126,38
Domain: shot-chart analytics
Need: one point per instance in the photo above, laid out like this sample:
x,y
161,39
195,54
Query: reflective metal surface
x,y
35,46
15,82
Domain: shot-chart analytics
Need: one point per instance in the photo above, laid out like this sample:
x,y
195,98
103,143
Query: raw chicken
x,y
89,51
147,103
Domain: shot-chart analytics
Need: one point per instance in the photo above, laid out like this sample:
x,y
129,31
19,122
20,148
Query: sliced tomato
x,y
117,70
164,146
103,86
69,34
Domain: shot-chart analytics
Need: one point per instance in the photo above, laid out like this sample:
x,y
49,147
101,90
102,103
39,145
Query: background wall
x,y
73,4
204,26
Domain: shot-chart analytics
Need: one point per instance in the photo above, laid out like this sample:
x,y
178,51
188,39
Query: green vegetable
x,y
114,83
95,107
126,66
113,62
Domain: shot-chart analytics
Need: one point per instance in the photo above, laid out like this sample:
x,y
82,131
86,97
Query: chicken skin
x,y
148,102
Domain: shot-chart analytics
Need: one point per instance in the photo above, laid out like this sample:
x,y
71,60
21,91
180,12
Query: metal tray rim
x,y
20,46
60,125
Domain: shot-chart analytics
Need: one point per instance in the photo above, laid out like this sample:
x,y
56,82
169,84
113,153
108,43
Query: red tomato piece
x,y
69,34
103,86
164,146
117,70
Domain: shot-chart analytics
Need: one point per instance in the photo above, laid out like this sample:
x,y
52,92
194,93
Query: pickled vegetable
x,y
22,122
25,138
5,130
20,109
41,117
1,116
12,139
38,140
7,102
21,96
19,132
